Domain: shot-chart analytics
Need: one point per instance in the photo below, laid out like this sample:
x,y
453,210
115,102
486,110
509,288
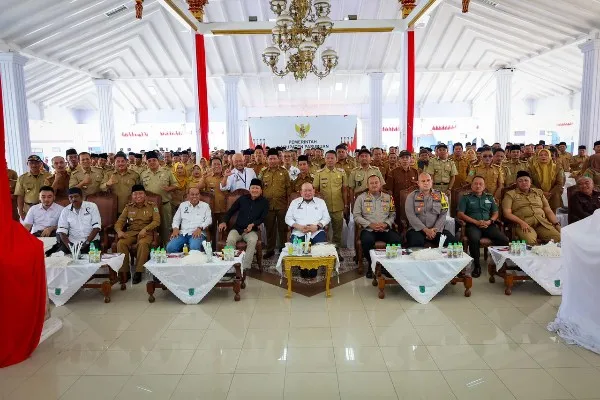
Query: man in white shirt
x,y
192,218
79,222
239,177
308,214
287,164
42,218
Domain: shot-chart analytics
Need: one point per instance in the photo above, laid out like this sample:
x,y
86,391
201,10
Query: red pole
x,y
202,95
410,100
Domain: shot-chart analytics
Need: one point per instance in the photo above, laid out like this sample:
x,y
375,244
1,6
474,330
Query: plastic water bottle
x,y
186,249
152,255
459,250
523,251
388,251
513,248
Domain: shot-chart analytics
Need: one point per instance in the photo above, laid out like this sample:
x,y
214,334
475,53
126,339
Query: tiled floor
x,y
351,346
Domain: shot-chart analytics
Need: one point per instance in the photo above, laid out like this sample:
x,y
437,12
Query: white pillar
x,y
376,98
589,130
503,104
106,114
403,91
232,121
16,117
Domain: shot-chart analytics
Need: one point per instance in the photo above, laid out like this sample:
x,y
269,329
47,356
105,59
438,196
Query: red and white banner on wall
x,y
304,132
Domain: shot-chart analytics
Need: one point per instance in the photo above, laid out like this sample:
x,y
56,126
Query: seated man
x,y
252,210
479,211
375,212
308,214
136,223
79,222
192,218
426,211
528,208
42,219
583,202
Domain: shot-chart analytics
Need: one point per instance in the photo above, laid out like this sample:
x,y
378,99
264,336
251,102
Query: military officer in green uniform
x,y
136,223
28,185
86,177
480,212
304,176
442,169
120,181
276,189
332,183
162,182
359,175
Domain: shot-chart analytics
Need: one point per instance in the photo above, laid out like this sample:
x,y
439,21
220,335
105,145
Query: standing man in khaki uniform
x,y
72,160
210,183
259,160
343,161
462,165
12,184
357,181
276,189
59,181
304,176
494,179
86,177
332,183
28,185
514,165
162,182
578,161
103,162
135,225
528,208
379,162
120,181
138,166
442,169
564,158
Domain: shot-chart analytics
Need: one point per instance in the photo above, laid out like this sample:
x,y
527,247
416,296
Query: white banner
x,y
305,132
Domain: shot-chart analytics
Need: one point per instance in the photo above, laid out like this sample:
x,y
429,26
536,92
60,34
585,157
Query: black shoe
x,y
476,271
312,273
369,274
128,276
269,254
137,278
303,273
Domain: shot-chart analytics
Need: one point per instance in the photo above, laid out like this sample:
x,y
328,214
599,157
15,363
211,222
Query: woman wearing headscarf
x,y
548,177
471,156
194,180
203,165
593,170
178,195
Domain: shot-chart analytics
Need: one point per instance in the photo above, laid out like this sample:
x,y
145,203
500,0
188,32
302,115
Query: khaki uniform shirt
x,y
330,183
347,165
61,188
494,178
122,187
97,177
154,182
12,180
138,168
441,170
134,218
564,160
511,169
383,167
276,187
577,162
211,184
370,209
301,180
257,167
527,206
462,169
359,176
29,186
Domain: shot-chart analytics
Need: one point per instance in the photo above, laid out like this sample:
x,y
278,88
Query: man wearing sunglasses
x,y
494,178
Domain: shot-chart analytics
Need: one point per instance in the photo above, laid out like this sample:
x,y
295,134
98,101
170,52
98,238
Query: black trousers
x,y
368,239
474,234
418,239
60,246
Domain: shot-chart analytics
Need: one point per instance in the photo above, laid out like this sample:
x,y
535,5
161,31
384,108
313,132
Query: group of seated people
x,y
425,211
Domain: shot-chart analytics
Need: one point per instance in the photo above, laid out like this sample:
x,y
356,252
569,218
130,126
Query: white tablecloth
x,y
422,279
546,271
64,282
190,283
48,242
578,319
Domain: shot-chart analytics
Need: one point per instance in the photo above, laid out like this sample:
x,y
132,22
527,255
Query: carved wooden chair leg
x,y
106,288
508,283
492,272
468,281
236,288
150,287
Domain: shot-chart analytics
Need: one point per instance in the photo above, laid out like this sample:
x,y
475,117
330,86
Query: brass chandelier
x,y
301,27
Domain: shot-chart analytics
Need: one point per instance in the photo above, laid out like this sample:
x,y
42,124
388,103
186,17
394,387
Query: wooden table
x,y
309,262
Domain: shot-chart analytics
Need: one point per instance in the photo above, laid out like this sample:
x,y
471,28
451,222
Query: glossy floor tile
x,y
350,346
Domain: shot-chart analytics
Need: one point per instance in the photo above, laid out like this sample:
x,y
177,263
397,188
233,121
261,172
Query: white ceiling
x,y
71,41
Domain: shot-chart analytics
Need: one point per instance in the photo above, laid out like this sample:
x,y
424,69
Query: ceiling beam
x,y
424,7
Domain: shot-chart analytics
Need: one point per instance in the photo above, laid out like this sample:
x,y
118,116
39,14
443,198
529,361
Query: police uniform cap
x,y
149,155
138,188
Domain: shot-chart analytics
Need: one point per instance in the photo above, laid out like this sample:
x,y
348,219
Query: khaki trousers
x,y
166,220
250,238
539,230
337,224
143,251
275,224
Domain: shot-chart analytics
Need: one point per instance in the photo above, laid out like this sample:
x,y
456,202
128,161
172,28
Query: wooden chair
x,y
240,245
107,206
156,199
